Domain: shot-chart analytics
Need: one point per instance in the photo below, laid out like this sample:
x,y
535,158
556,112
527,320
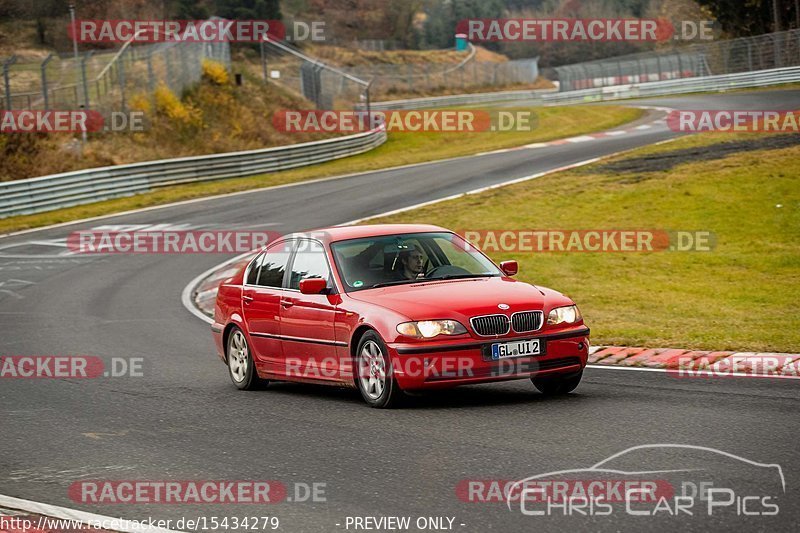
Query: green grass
x,y
400,149
742,295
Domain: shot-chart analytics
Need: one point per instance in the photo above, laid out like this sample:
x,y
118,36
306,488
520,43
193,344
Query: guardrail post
x,y
6,82
44,81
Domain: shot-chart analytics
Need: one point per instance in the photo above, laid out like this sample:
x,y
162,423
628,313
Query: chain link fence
x,y
106,81
327,86
432,77
352,87
746,54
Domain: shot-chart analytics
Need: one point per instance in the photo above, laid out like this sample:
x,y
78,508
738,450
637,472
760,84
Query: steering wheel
x,y
446,270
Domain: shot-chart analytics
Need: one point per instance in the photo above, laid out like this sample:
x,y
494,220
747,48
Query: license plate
x,y
502,350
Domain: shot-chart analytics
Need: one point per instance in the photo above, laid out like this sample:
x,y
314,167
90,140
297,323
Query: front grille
x,y
490,325
526,321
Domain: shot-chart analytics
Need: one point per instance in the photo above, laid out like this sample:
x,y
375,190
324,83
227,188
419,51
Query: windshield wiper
x,y
466,276
422,280
459,276
398,282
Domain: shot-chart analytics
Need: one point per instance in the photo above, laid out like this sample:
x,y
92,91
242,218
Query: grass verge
x,y
743,295
400,149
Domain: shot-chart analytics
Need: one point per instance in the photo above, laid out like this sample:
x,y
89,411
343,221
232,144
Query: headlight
x,y
560,315
430,328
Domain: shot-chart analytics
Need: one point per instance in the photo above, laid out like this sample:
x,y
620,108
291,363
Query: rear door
x,y
307,320
261,304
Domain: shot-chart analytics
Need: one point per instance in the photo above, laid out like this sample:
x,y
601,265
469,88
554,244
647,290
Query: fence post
x,y
168,67
6,82
83,79
44,81
182,62
150,75
263,60
726,52
121,79
366,92
778,54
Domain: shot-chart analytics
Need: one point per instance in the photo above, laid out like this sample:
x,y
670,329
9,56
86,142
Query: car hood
x,y
461,298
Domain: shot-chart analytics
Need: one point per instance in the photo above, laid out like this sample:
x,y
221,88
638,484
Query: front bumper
x,y
432,365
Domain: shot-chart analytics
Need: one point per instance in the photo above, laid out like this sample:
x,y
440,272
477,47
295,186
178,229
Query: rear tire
x,y
374,376
557,385
241,367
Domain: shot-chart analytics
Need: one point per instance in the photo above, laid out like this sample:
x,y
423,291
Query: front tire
x,y
557,385
374,373
241,367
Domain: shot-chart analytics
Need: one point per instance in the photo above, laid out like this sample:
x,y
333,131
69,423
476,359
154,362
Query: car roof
x,y
343,233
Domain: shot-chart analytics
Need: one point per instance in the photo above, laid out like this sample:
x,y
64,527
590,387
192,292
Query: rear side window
x,y
252,274
273,265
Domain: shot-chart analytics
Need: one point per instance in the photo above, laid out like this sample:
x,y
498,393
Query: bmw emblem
x,y
502,306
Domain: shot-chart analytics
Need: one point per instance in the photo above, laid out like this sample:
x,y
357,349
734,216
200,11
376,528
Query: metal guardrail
x,y
459,99
762,78
46,193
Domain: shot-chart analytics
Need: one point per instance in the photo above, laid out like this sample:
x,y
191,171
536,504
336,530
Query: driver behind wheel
x,y
411,264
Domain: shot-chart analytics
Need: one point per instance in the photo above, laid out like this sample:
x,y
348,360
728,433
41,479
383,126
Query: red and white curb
x,y
697,363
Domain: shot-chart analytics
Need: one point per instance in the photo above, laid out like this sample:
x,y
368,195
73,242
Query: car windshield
x,y
408,258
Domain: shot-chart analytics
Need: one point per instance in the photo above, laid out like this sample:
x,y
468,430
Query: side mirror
x,y
313,285
510,268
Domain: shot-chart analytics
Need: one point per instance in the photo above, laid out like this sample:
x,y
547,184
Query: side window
x,y
252,274
274,265
309,262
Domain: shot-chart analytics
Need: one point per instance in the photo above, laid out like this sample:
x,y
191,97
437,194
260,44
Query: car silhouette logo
x,y
502,306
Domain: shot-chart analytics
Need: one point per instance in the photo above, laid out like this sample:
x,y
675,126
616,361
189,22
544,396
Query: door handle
x,y
247,299
287,303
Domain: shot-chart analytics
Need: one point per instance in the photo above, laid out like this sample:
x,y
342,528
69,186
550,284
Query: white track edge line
x,y
65,513
186,293
698,371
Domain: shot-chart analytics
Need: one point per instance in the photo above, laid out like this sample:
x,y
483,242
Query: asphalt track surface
x,y
184,419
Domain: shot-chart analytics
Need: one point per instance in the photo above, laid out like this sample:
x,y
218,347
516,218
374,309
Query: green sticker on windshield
x,y
358,283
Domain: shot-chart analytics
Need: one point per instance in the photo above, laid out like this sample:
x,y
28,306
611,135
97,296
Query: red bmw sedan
x,y
393,308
